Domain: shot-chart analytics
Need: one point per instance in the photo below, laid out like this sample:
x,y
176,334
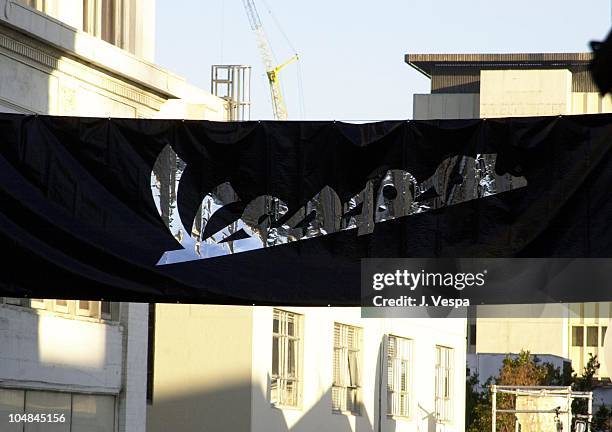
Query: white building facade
x,y
466,86
84,361
303,369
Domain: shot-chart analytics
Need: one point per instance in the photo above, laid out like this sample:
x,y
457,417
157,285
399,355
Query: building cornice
x,y
50,61
426,63
95,52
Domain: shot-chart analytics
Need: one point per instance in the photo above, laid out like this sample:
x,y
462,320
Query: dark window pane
x,y
105,308
577,336
292,358
592,336
290,327
275,342
108,21
603,335
472,334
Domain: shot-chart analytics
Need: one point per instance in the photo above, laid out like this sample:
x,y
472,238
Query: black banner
x,y
282,212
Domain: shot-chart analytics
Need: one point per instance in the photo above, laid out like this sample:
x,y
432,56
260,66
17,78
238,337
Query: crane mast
x,y
272,70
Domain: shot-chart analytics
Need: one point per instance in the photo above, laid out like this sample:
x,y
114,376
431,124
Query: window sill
x,y
444,422
400,418
59,314
285,407
346,413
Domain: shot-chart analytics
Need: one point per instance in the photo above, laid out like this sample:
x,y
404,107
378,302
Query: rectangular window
x,y
34,4
592,334
577,336
443,383
105,310
93,413
151,354
38,303
72,412
603,335
88,308
399,378
101,18
286,358
11,402
61,306
43,402
16,301
346,387
472,334
108,21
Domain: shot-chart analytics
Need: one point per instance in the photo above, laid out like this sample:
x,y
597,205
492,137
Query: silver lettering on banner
x,y
457,179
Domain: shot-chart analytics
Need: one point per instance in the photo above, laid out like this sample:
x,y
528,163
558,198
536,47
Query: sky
x,y
352,51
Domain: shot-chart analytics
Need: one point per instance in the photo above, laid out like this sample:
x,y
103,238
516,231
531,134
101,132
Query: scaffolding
x,y
539,402
233,83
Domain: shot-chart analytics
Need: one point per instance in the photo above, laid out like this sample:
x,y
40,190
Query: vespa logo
x,y
265,221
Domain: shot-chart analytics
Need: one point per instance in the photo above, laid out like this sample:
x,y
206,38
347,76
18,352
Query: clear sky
x,y
352,51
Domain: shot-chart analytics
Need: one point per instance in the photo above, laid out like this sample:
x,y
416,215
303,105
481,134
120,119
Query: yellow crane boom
x,y
272,70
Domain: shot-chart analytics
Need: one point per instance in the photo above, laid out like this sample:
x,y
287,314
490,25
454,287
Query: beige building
x,y
261,369
510,85
506,85
83,361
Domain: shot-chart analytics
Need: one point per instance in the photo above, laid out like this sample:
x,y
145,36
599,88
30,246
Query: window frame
x,y
392,361
592,330
15,301
283,377
61,308
69,415
445,371
38,5
582,337
344,357
93,311
38,303
103,19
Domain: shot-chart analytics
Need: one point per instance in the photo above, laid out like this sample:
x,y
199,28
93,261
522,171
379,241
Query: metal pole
x,y
590,411
493,408
569,409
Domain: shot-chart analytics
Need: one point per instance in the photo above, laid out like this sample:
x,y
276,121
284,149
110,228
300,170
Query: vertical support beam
x,y
590,411
568,416
132,405
493,408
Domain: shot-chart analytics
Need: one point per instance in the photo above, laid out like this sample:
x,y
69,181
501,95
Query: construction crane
x,y
272,70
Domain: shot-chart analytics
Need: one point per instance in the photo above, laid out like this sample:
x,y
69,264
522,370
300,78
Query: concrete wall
x,y
131,404
44,350
38,79
135,21
512,97
316,413
446,106
511,93
202,375
591,103
67,11
50,67
511,335
524,92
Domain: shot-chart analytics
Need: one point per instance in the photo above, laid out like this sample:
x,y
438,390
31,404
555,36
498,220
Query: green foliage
x,y
525,369
602,419
585,383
